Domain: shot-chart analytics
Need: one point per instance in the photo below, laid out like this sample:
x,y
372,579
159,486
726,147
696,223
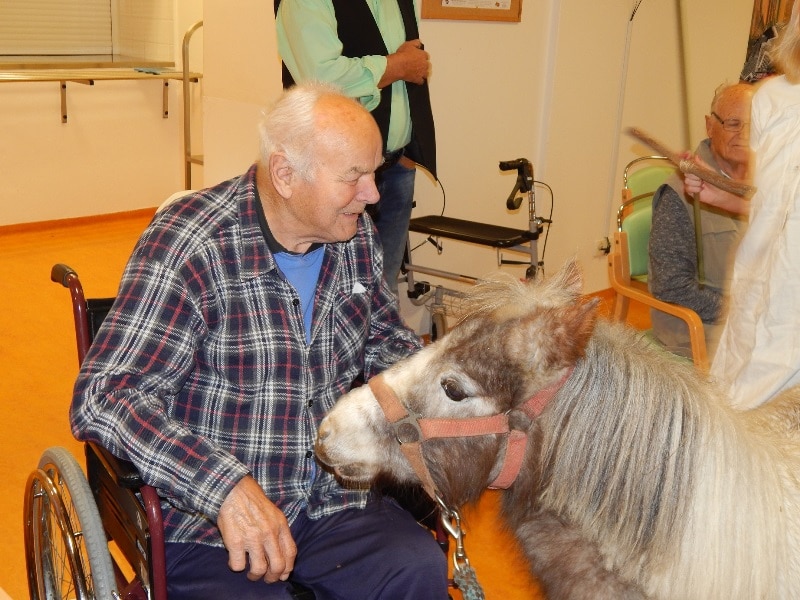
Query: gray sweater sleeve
x,y
673,258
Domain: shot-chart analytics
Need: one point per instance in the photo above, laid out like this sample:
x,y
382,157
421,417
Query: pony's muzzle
x,y
323,433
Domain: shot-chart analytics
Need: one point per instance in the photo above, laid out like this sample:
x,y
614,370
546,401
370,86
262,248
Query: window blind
x,y
55,27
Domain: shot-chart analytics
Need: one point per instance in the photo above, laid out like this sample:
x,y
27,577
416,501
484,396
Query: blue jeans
x,y
378,553
391,215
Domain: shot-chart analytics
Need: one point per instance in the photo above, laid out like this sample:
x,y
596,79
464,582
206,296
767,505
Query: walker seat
x,y
435,227
484,234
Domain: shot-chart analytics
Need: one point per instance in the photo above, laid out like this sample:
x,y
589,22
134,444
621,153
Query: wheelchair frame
x,y
70,519
500,238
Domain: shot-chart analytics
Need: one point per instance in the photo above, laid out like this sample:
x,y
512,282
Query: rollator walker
x,y
500,238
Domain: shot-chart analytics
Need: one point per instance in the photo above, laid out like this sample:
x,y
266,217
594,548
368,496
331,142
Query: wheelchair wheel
x,y
65,544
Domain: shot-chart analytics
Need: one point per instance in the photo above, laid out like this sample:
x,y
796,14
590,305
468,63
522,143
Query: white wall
x,y
242,75
115,153
549,88
557,88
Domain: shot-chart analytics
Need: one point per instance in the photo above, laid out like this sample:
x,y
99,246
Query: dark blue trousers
x,y
391,215
380,552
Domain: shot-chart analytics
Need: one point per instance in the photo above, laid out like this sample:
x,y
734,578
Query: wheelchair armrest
x,y
124,472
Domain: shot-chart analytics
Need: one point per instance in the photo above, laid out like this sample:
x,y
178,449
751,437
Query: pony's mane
x,y
643,457
652,441
636,434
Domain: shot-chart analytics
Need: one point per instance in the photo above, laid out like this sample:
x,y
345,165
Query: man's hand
x,y
254,527
410,63
709,194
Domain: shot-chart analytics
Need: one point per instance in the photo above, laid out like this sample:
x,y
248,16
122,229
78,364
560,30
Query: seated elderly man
x,y
244,312
674,275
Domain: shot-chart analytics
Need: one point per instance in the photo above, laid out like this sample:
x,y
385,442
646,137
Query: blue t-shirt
x,y
302,271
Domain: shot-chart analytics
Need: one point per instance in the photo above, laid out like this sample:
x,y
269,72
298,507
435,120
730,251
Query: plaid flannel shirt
x,y
201,373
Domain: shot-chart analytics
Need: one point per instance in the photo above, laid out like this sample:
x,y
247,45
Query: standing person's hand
x,y
254,530
410,63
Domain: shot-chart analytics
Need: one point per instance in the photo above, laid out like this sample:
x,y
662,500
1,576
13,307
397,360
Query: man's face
x,y
731,148
342,182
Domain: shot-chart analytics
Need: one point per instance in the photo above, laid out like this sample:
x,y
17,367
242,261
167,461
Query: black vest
x,y
360,36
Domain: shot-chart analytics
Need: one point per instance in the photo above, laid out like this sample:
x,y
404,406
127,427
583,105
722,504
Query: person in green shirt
x,y
371,50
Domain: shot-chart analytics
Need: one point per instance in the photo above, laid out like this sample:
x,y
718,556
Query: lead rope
x,y
463,574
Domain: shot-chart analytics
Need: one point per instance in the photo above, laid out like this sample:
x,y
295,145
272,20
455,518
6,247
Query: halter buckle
x,y
407,429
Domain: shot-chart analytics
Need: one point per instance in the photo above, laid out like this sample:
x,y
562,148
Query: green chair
x,y
641,178
628,260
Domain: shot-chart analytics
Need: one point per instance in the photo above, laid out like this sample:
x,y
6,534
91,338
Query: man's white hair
x,y
289,125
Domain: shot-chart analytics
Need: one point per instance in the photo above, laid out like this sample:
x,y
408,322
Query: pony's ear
x,y
555,338
569,278
580,319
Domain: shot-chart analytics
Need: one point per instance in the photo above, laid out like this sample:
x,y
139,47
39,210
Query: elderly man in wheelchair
x,y
244,312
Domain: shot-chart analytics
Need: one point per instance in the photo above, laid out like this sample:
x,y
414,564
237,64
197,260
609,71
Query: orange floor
x,y
38,365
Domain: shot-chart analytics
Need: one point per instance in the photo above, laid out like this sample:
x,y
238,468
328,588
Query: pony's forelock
x,y
504,297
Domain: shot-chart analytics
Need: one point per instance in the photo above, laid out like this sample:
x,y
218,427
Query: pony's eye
x,y
453,390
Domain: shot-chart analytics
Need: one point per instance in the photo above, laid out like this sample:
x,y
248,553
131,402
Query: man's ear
x,y
282,174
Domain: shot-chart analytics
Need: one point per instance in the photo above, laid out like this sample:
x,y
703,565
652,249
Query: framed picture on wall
x,y
473,10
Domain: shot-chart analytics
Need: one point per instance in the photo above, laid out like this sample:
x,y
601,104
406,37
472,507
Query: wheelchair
x,y
100,536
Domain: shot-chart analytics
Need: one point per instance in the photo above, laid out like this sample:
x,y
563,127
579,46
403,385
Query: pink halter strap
x,y
411,430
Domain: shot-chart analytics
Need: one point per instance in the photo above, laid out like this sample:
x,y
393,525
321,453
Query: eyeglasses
x,y
730,124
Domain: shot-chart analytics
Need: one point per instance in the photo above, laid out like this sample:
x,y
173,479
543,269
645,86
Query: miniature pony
x,y
627,474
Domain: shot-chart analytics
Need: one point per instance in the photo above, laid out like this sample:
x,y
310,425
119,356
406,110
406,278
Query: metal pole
x,y
684,87
187,108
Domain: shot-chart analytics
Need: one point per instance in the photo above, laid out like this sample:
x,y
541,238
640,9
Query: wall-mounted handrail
x,y
188,158
89,76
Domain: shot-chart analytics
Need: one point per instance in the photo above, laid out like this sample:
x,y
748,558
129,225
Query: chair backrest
x,y
133,522
645,174
172,198
641,178
96,311
637,226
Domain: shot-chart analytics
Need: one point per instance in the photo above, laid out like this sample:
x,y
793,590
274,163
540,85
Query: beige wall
x,y
144,28
557,88
115,153
242,75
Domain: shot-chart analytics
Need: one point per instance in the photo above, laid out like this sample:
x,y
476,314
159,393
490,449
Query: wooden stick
x,y
687,166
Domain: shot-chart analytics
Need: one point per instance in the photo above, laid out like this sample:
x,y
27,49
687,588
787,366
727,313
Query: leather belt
x,y
390,159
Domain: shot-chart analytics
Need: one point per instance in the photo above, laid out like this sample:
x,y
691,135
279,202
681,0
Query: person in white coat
x,y
759,351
